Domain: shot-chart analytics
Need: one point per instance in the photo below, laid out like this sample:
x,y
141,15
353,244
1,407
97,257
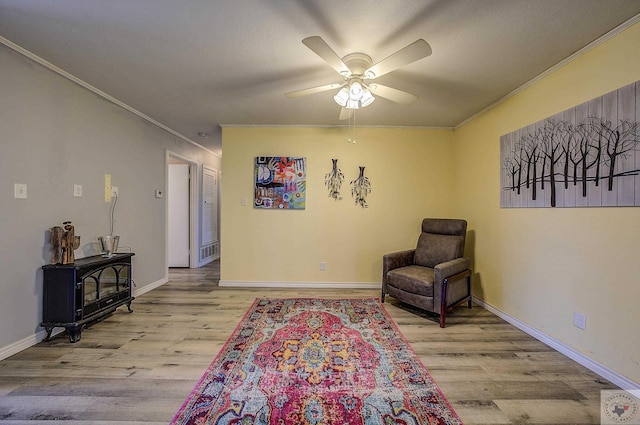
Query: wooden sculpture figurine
x,y
63,243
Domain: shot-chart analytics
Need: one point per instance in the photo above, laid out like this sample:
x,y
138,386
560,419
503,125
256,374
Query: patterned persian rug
x,y
317,362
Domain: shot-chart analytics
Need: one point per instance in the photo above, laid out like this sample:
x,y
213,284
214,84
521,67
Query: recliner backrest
x,y
441,240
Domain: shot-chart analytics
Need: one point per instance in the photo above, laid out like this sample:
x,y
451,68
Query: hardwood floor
x,y
139,368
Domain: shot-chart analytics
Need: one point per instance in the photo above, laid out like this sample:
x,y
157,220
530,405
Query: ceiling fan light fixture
x,y
356,68
354,97
355,90
342,97
367,98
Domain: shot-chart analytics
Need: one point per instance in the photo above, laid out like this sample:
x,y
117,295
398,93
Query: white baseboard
x,y
31,340
23,344
608,374
299,285
150,287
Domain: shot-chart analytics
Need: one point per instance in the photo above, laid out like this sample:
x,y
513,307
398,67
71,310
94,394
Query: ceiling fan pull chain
x,y
354,127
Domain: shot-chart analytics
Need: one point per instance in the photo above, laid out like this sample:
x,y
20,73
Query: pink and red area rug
x,y
316,362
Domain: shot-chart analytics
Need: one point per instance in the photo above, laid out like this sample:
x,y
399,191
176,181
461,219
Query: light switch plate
x,y
77,190
107,188
20,191
580,320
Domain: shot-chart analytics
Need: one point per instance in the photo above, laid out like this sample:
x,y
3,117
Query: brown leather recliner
x,y
434,276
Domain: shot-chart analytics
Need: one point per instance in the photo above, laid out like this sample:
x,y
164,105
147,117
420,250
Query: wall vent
x,y
208,251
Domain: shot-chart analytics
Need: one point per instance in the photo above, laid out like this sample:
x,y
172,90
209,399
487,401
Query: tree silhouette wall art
x,y
587,156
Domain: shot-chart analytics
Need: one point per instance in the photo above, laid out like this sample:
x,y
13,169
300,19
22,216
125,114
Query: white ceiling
x,y
194,65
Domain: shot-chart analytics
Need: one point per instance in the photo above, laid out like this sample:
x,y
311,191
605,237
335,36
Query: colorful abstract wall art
x,y
587,156
280,182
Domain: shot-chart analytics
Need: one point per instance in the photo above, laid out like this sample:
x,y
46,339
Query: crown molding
x,y
411,127
10,44
617,30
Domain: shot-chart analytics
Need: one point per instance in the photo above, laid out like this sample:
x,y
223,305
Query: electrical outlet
x,y
580,320
114,191
323,266
77,190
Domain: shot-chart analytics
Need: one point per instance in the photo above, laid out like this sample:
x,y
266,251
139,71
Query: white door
x,y
178,220
209,206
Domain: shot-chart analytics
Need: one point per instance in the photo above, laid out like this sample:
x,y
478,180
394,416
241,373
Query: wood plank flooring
x,y
139,368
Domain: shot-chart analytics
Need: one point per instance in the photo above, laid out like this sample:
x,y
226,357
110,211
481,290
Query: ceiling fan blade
x,y
392,94
415,51
313,90
322,49
345,114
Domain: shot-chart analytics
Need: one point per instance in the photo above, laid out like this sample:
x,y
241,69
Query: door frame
x,y
175,158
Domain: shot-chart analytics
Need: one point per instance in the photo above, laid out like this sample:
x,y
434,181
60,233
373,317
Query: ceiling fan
x,y
356,68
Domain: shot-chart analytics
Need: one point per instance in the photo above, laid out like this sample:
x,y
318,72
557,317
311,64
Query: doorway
x,y
180,211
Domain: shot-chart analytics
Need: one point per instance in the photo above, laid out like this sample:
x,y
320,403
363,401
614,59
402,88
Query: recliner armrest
x,y
450,268
460,270
396,260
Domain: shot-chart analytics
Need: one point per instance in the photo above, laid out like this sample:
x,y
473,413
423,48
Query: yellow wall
x,y
536,265
411,178
541,265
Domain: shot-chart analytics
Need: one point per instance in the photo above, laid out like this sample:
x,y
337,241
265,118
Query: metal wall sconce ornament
x,y
333,180
360,188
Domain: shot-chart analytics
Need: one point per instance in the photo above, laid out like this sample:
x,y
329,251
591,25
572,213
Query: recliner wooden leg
x,y
443,302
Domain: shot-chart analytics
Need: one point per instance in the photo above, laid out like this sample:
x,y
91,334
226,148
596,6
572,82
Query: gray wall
x,y
54,134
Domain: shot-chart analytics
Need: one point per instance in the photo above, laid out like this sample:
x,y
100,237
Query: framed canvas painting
x,y
280,182
585,156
